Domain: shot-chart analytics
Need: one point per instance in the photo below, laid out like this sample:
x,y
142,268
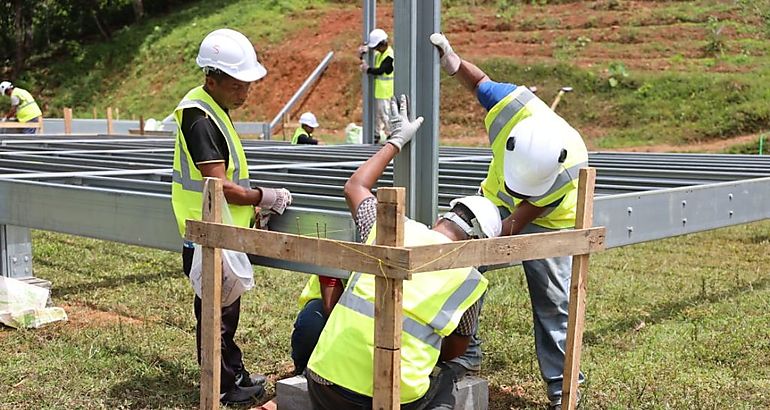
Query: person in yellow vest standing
x,y
440,308
383,80
207,145
304,133
536,156
23,106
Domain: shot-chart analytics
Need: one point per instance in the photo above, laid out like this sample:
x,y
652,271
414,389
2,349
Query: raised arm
x,y
467,73
360,184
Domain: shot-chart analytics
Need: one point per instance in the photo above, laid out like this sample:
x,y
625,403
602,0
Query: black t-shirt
x,y
306,139
386,67
204,140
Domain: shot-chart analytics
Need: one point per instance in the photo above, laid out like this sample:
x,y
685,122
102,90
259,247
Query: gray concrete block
x,y
291,394
472,394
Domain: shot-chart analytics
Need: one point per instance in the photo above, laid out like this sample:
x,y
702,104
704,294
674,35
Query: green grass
x,y
675,323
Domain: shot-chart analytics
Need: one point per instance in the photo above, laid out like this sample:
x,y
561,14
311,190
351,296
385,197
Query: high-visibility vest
x,y
560,200
187,180
27,108
433,303
312,290
383,83
299,131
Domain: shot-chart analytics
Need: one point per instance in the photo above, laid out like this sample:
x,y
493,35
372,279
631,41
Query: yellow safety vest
x,y
383,83
27,108
299,131
516,106
187,181
433,303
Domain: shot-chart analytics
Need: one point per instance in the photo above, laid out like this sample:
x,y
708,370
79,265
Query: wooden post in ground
x,y
577,296
211,292
109,120
388,304
40,128
117,114
67,120
141,125
94,112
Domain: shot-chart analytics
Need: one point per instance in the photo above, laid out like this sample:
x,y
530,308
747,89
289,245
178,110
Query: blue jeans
x,y
307,329
31,130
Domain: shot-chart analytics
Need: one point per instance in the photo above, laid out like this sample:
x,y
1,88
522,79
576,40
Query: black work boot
x,y
244,379
242,395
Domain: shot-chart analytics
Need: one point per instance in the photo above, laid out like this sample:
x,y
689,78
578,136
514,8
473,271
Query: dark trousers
x,y
307,329
232,358
439,395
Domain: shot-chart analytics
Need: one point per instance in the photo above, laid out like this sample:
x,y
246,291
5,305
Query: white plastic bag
x,y
23,305
237,273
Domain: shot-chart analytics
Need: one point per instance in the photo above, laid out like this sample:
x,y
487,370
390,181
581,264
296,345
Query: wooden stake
x,y
211,291
67,120
141,125
40,129
388,305
109,120
117,114
577,295
94,112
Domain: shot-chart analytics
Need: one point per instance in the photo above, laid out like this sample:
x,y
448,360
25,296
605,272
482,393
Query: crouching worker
x,y
440,309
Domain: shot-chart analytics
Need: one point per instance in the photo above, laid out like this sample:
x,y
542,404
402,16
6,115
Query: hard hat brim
x,y
514,182
251,75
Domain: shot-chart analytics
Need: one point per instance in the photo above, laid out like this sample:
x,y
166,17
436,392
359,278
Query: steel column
x,y
405,33
15,252
367,83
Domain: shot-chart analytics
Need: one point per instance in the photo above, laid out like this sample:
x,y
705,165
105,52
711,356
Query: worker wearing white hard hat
x,y
339,372
304,133
208,145
23,106
532,178
383,75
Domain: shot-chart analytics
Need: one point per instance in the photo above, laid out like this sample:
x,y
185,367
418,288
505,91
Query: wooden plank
x,y
67,120
493,251
14,124
577,295
109,120
388,303
323,252
211,292
141,125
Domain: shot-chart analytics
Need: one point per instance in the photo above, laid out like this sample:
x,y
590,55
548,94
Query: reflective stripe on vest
x,y
27,109
509,111
187,180
433,303
383,83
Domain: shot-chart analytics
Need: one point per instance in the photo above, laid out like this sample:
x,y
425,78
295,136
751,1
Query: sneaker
x,y
244,379
242,395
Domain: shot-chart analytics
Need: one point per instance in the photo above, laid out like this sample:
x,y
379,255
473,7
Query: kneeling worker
x,y
304,133
440,308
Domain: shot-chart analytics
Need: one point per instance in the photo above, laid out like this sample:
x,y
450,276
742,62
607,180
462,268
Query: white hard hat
x,y
376,37
308,119
5,85
534,154
486,222
232,53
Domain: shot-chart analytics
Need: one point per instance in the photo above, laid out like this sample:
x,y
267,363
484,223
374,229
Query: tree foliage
x,y
45,28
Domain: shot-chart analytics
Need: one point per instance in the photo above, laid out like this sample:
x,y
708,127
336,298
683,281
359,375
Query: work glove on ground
x,y
402,130
274,200
450,61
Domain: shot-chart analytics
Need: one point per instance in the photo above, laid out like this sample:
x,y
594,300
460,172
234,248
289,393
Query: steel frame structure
x,y
118,189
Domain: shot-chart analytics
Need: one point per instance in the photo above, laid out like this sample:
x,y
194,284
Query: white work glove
x,y
263,218
450,61
402,130
274,200
362,50
363,67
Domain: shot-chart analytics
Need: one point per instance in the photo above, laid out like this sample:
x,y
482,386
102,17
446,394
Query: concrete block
x,y
472,394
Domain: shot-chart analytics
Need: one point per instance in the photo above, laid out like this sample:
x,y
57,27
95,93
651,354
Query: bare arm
x,y
521,217
11,112
360,184
330,295
470,76
234,193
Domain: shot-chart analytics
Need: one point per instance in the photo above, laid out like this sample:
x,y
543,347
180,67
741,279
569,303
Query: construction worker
x,y
532,178
23,106
304,133
383,80
207,145
440,308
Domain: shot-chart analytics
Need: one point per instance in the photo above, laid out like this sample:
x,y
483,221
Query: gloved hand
x,y
363,67
362,50
402,130
450,61
274,200
263,218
